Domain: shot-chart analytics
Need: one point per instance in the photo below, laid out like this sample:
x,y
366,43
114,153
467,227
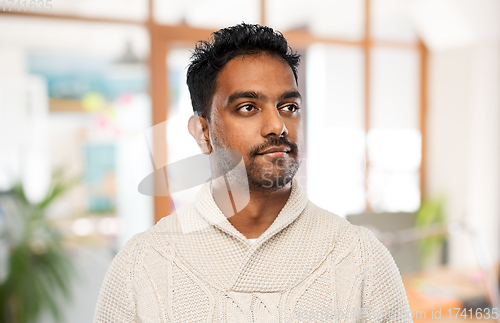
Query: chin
x,y
271,181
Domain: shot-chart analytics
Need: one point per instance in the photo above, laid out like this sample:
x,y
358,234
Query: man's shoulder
x,y
334,221
166,224
143,243
345,234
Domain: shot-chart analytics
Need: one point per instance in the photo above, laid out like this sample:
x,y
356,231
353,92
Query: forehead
x,y
266,73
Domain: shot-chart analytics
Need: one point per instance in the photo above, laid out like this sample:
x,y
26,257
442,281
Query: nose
x,y
273,124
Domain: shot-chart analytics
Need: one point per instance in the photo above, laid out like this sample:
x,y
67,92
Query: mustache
x,y
273,141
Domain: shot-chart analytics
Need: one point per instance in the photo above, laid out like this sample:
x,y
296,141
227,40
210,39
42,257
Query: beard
x,y
270,175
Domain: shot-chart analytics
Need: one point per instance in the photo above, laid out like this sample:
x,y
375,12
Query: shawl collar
x,y
201,240
206,205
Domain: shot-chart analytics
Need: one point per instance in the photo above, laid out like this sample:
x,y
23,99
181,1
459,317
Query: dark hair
x,y
225,44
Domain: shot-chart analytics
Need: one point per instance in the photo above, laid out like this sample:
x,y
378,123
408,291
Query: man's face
x,y
255,108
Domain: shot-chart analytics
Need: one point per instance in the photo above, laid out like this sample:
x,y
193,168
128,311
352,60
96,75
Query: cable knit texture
x,y
310,265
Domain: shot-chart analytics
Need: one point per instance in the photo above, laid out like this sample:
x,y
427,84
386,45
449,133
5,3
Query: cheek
x,y
240,141
297,136
300,138
233,137
238,132
295,131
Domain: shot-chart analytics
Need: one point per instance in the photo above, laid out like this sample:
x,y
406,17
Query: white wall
x,y
464,130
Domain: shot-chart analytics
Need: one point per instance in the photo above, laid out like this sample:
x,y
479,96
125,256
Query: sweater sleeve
x,y
384,295
116,298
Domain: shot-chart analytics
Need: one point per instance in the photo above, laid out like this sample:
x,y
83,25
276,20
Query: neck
x,y
260,212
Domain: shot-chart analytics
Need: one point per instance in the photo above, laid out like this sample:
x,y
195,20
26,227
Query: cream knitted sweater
x,y
310,265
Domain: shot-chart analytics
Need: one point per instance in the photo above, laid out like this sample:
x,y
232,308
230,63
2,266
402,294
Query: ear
x,y
198,128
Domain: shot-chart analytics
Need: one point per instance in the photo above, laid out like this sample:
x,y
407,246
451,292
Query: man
x,y
200,263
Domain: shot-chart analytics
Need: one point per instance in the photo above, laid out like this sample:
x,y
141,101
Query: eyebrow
x,y
243,95
291,95
254,95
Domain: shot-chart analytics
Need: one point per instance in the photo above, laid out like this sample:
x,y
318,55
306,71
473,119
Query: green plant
x,y
431,212
38,267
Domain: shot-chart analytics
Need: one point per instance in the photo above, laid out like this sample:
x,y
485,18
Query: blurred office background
x,y
402,124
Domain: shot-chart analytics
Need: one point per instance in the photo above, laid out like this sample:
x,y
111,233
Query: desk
x,y
444,288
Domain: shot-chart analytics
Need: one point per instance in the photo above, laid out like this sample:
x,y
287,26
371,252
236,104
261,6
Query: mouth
x,y
275,152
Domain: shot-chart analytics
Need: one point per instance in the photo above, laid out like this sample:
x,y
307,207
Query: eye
x,y
246,108
290,108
